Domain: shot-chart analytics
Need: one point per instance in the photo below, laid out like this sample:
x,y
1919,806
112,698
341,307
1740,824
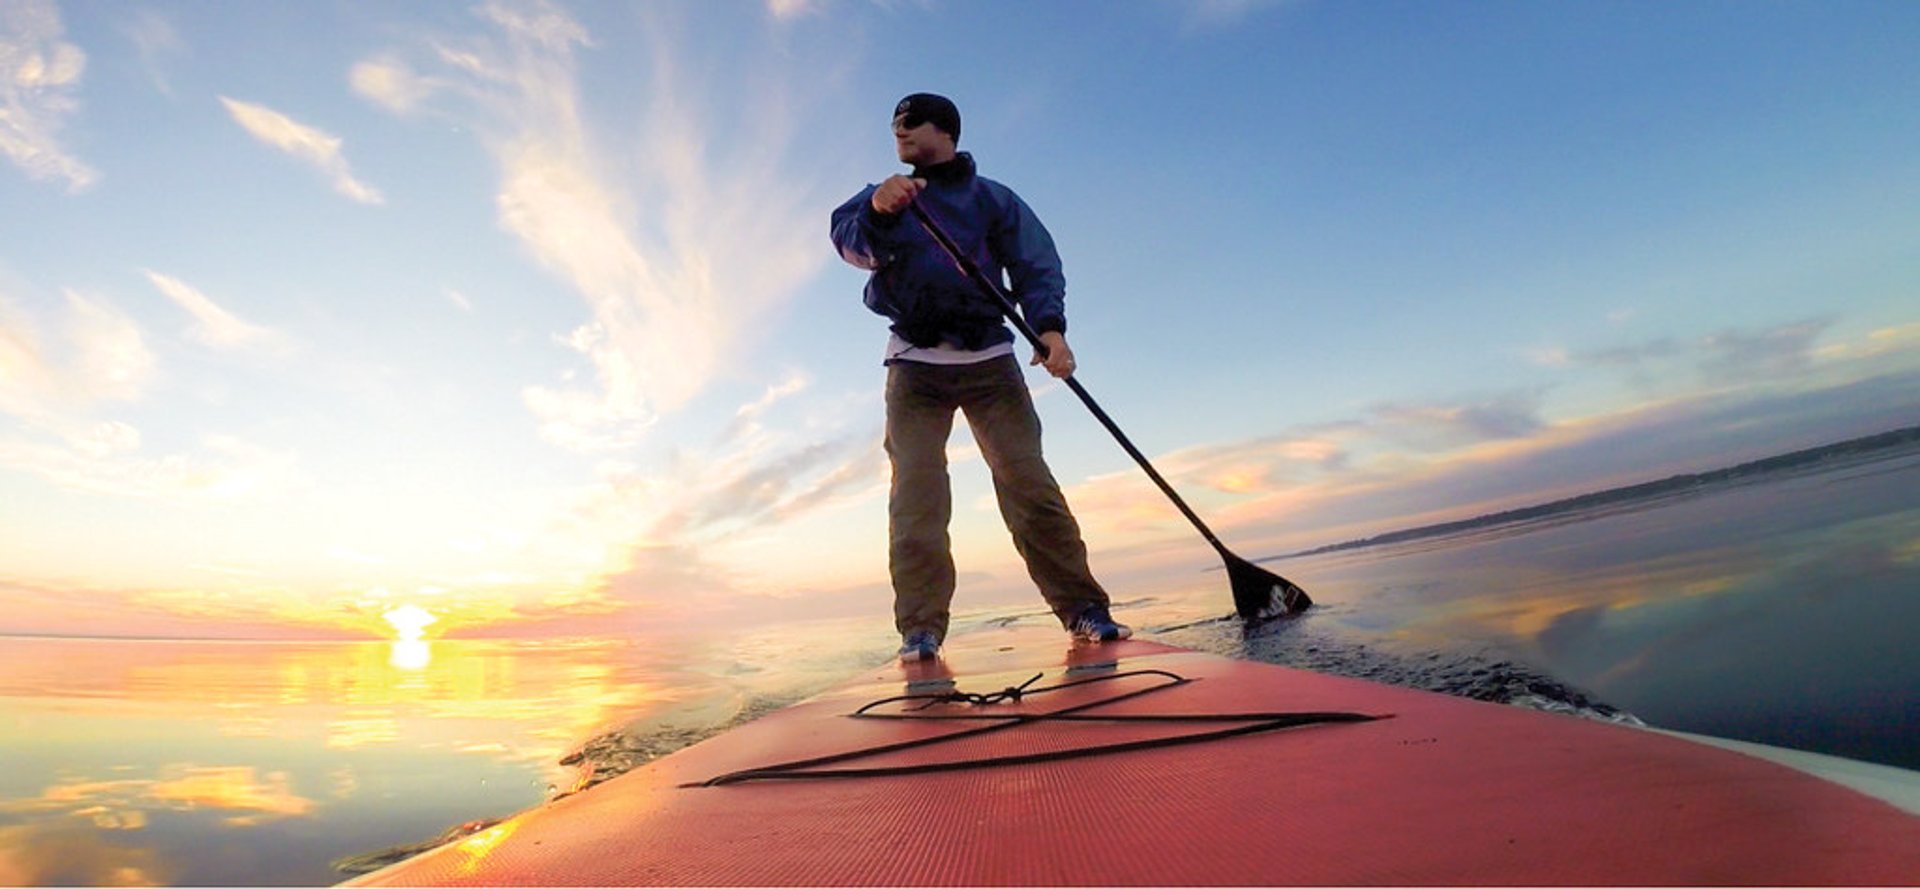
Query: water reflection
x,y
251,797
1779,613
412,655
245,763
55,854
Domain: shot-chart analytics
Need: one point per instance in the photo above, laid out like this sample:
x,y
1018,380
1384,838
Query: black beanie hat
x,y
922,108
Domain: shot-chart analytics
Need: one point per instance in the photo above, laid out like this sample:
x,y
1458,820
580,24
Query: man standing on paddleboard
x,y
950,349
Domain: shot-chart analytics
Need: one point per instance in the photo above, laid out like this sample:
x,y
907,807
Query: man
x,y
951,349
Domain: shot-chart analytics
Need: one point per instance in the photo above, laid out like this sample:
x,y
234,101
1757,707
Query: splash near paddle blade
x,y
1259,594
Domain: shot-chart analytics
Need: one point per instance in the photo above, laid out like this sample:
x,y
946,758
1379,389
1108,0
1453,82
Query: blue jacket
x,y
917,285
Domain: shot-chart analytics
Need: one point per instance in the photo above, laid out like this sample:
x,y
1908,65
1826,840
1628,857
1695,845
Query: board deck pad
x,y
1428,790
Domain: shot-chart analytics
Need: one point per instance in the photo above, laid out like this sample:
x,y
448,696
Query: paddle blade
x,y
1259,594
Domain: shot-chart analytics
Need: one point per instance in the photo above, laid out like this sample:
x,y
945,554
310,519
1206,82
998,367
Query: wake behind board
x,y
1123,773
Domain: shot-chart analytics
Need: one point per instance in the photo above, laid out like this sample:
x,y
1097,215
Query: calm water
x,y
208,763
1778,611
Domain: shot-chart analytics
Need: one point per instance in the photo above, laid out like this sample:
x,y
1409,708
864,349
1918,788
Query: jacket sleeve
x,y
864,238
1026,249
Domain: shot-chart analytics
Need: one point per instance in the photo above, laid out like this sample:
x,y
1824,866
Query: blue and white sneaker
x,y
919,646
1096,625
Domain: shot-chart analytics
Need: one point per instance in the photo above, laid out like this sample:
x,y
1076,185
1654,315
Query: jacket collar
x,y
959,169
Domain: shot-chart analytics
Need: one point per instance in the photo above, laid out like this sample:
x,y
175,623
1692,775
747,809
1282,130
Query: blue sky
x,y
524,313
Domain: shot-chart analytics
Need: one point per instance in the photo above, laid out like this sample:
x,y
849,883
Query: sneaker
x,y
1096,625
919,646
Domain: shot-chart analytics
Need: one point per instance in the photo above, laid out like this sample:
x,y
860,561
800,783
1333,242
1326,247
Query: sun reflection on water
x,y
162,750
412,655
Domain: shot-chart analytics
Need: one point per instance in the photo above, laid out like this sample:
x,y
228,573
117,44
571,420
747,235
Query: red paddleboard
x,y
1135,763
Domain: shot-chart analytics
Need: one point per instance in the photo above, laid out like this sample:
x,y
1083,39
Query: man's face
x,y
923,144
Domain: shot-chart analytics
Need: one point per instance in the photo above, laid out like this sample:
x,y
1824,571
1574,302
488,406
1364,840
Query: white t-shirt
x,y
898,349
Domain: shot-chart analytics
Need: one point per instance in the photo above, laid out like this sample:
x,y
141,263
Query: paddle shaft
x,y
1007,307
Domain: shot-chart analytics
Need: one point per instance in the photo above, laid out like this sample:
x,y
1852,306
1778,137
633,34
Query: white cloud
x,y
538,21
106,460
313,146
27,378
583,421
390,84
676,249
746,420
111,359
678,241
106,439
39,81
213,325
52,387
55,388
793,385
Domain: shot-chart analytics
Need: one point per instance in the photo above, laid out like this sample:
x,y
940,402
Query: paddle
x,y
1257,593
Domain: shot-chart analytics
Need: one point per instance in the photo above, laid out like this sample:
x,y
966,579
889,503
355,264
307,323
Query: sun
x,y
409,622
410,650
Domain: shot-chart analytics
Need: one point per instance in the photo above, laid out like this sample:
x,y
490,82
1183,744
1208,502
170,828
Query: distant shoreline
x,y
1872,445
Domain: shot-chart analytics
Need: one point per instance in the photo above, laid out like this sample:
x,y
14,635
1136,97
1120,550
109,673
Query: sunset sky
x,y
522,316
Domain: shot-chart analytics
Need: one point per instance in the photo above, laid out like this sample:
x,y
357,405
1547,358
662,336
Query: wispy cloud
x,y
785,10
308,144
1402,464
1209,14
39,85
735,498
676,248
1732,355
750,484
680,242
757,491
1739,356
1440,426
103,356
214,326
106,458
1627,356
55,388
1880,342
678,522
390,83
157,43
1391,432
747,417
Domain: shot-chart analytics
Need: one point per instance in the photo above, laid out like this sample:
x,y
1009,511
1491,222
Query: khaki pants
x,y
921,399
